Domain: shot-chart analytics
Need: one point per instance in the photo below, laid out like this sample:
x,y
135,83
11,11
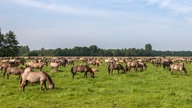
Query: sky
x,y
109,24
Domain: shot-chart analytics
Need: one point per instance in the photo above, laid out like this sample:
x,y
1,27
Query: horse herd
x,y
23,67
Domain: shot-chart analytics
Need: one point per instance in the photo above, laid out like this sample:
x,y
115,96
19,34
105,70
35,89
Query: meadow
x,y
153,88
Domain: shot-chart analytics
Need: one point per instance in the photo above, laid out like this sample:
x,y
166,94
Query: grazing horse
x,y
82,68
33,77
142,66
179,67
115,66
130,65
38,65
4,67
55,65
166,63
14,71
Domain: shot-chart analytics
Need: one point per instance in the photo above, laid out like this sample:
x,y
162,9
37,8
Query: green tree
x,y
33,53
24,50
58,52
1,44
10,44
148,49
42,51
93,50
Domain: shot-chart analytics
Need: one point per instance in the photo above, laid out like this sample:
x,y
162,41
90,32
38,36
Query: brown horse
x,y
14,71
33,77
82,68
142,66
4,67
115,66
55,65
38,65
166,63
178,67
130,65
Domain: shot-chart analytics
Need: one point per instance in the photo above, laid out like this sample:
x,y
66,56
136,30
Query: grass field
x,y
153,88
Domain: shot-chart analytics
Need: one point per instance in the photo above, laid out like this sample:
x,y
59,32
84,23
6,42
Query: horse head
x,y
51,86
28,69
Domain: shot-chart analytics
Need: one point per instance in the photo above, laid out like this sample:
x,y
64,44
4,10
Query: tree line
x,y
9,47
93,50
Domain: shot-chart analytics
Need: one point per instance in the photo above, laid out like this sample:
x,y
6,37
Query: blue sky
x,y
166,24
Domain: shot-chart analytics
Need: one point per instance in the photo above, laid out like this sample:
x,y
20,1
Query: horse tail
x,y
109,68
126,67
49,80
145,66
122,68
72,70
185,70
92,73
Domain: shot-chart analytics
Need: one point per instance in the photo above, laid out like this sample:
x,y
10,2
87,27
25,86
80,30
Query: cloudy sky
x,y
166,24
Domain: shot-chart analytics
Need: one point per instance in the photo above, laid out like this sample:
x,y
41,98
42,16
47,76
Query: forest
x,y
10,47
93,50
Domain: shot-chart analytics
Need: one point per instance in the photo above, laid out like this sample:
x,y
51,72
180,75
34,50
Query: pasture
x,y
153,88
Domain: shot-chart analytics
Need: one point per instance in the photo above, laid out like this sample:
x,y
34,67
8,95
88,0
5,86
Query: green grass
x,y
153,88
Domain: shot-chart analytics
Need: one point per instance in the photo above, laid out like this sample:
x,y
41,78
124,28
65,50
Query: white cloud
x,y
177,6
189,20
63,8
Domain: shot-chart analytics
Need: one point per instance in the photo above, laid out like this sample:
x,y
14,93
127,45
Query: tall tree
x,y
148,49
93,50
10,44
1,44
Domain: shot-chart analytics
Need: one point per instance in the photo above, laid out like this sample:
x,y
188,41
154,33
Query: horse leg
x,y
136,69
44,83
4,73
26,83
180,72
1,69
7,75
142,69
85,75
73,74
19,76
109,72
41,85
23,85
171,72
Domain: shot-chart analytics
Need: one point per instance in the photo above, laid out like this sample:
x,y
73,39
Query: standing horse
x,y
55,65
82,68
4,67
14,71
32,77
115,66
179,67
142,66
38,65
130,65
